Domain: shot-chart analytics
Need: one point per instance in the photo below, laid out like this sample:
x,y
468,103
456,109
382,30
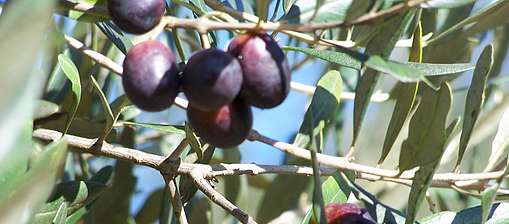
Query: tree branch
x,y
219,199
83,145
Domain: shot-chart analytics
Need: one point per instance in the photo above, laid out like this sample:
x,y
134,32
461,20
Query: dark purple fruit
x,y
226,127
346,213
136,16
265,70
211,79
150,76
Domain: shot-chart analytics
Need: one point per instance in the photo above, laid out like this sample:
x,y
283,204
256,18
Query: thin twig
x,y
82,145
219,199
295,30
176,202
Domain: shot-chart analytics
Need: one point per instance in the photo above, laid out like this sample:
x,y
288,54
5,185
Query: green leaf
x,y
487,13
74,194
305,11
80,127
89,17
475,98
45,109
75,217
103,175
357,9
24,37
73,75
344,57
382,44
322,109
429,69
446,3
163,128
19,203
425,143
407,72
61,214
333,191
149,212
405,98
111,112
471,215
118,38
426,136
500,144
104,101
195,144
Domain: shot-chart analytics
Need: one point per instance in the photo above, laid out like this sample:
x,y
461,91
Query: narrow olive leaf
x,y
75,194
233,184
475,98
382,44
426,136
24,28
193,141
322,109
489,194
18,204
405,98
103,175
500,145
104,101
453,127
116,36
304,11
345,57
446,4
378,210
484,13
45,109
88,16
357,9
108,113
117,107
333,192
424,148
74,218
405,72
471,215
492,20
73,75
149,212
430,69
61,214
163,128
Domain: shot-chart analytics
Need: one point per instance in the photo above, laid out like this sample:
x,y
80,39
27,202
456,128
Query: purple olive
x,y
150,76
226,127
211,79
266,73
136,16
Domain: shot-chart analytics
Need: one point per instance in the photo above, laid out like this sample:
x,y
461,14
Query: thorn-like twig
x,y
219,199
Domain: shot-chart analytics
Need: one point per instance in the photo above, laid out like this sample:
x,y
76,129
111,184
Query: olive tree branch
x,y
202,184
204,24
210,171
176,202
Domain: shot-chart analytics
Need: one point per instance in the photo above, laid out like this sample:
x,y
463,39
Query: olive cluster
x,y
220,85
